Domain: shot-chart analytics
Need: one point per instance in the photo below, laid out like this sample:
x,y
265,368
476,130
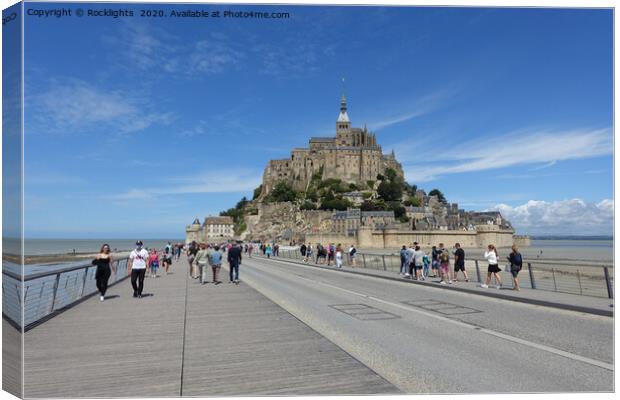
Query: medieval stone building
x,y
353,156
212,229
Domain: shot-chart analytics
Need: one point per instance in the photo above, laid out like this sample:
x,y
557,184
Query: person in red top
x,y
153,263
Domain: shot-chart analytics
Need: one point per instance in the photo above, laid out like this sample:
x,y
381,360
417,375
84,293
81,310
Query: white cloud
x,y
151,49
421,106
75,105
224,180
213,55
524,147
144,47
565,217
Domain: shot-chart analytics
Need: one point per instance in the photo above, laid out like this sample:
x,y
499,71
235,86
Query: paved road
x,y
429,340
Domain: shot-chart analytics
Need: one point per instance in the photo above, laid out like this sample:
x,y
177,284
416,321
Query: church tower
x,y
343,124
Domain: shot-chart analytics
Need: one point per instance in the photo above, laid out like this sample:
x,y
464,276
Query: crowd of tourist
x,y
326,255
415,263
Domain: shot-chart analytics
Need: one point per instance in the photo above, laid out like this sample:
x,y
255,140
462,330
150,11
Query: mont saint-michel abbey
x,y
353,156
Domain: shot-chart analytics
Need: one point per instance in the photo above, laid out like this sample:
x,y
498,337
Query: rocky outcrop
x,y
284,222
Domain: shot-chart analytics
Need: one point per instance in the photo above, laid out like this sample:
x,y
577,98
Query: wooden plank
x,y
11,359
237,342
120,347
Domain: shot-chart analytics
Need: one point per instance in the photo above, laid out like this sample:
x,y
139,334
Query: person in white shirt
x,y
491,256
418,262
137,266
339,256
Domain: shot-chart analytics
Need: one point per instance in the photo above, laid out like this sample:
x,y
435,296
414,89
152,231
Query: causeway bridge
x,y
290,328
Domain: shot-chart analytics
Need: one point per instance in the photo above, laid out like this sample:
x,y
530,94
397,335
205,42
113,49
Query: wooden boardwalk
x,y
215,341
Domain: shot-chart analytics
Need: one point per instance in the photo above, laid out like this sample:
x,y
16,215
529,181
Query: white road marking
x,y
504,336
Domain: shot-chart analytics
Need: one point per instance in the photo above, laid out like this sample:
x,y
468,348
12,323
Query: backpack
x,y
517,260
444,256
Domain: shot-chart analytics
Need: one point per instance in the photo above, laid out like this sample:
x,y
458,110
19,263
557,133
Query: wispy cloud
x,y
145,47
296,58
547,165
153,50
523,147
574,216
213,55
73,105
421,106
220,180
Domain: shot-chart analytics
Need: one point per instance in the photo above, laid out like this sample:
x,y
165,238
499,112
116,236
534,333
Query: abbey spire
x,y
343,117
343,124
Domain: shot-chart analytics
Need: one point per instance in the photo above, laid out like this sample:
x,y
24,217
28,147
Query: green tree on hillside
x,y
390,190
257,192
390,174
374,205
339,204
308,205
437,192
412,201
282,192
411,189
242,203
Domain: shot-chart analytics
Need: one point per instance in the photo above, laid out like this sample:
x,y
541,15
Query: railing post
x,y
384,267
56,282
554,284
84,281
364,260
610,292
532,281
579,279
19,294
478,272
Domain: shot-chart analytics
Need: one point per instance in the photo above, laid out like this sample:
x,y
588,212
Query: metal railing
x,y
582,278
47,293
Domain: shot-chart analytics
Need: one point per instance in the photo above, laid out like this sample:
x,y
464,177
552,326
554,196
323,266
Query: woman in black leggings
x,y
103,262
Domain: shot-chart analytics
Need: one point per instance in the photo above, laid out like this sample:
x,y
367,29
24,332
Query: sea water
x,y
38,247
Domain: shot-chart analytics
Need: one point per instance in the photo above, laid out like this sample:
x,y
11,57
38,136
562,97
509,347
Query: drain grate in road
x,y
364,312
441,307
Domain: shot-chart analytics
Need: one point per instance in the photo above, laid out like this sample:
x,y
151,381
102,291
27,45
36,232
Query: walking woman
x,y
153,263
491,256
215,260
308,253
201,260
339,256
102,275
516,263
268,251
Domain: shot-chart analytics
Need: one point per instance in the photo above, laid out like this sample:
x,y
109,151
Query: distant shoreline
x,y
569,237
58,258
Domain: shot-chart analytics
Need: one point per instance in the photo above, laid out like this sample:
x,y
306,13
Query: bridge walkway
x,y
186,339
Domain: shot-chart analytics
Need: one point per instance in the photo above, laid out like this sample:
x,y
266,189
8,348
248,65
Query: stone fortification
x,y
353,156
368,238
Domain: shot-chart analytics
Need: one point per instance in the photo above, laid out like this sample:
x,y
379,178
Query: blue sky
x,y
136,126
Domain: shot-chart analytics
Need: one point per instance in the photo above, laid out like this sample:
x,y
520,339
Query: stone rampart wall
x,y
370,239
